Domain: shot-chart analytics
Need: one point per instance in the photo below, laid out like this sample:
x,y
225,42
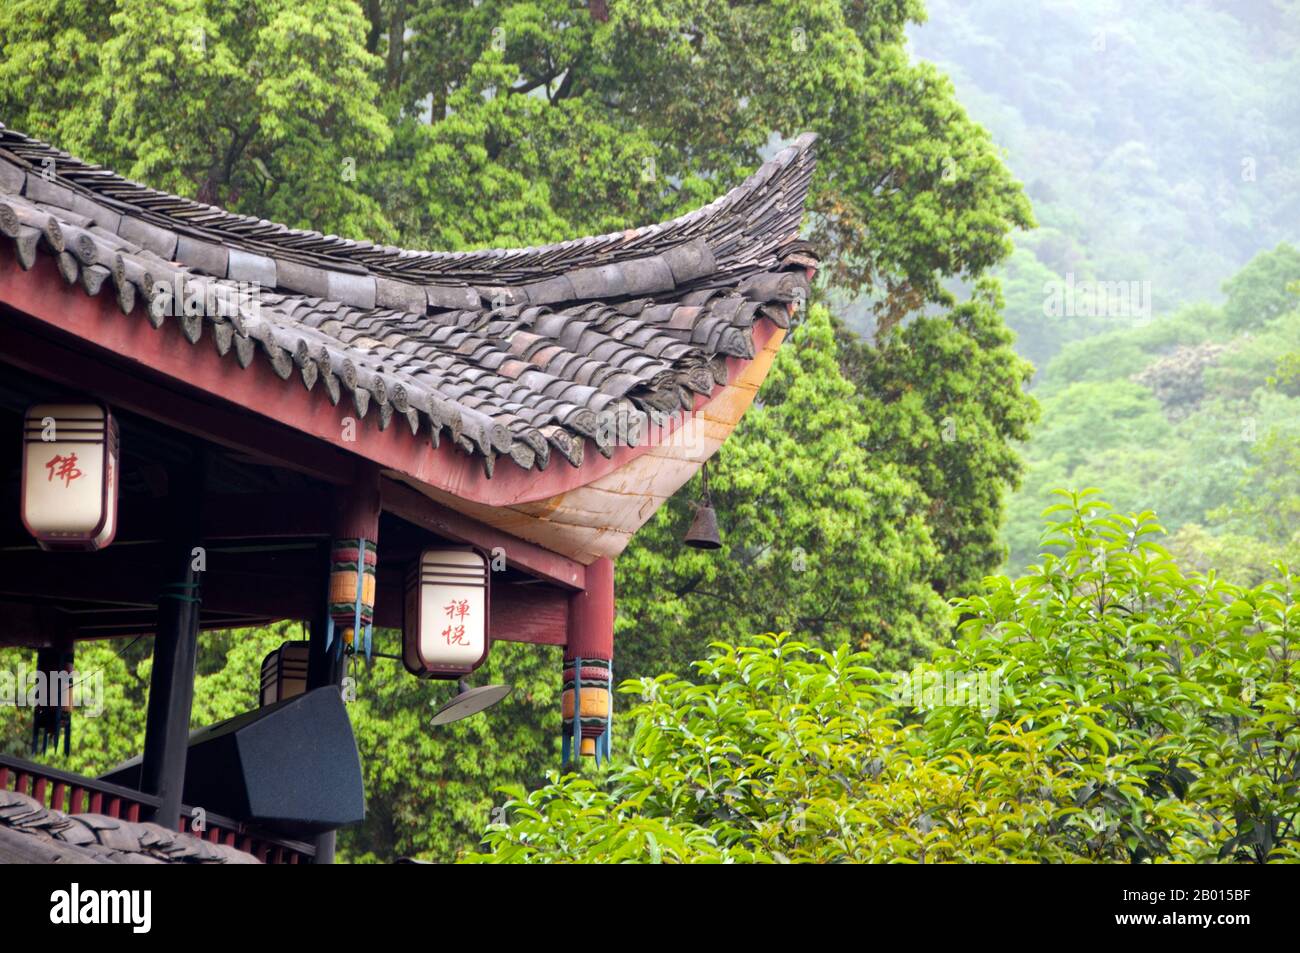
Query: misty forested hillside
x,y
1157,140
1158,143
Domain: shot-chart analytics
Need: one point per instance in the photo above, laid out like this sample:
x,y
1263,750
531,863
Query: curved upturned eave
x,y
443,472
471,443
598,517
372,323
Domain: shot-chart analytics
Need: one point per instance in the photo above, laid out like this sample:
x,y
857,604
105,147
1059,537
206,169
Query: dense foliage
x,y
411,773
945,401
1104,707
505,122
1152,172
226,684
512,122
865,489
1195,415
817,535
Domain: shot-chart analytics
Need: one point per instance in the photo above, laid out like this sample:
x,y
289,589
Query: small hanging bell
x,y
703,533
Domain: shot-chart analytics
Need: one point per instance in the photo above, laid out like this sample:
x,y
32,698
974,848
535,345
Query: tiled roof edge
x,y
734,225
37,833
515,370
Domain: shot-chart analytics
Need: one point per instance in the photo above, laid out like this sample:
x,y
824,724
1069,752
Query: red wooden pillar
x,y
355,537
352,548
588,699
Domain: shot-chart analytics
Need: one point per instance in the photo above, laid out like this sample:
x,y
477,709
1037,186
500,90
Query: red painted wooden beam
x,y
77,370
303,513
521,612
270,587
537,614
43,294
415,507
357,506
68,364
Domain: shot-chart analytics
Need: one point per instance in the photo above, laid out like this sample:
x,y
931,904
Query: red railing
x,y
269,850
72,793
75,794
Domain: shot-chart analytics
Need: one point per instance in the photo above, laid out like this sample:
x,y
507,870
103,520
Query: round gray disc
x,y
470,703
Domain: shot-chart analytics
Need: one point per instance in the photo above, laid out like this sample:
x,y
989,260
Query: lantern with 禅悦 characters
x,y
445,629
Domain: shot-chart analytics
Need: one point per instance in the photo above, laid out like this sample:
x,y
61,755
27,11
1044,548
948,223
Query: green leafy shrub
x,y
1262,290
1126,712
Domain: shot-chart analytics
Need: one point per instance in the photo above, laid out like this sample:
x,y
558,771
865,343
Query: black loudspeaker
x,y
292,766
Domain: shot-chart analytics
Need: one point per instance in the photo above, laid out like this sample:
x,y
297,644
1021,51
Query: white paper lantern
x,y
445,630
284,672
70,475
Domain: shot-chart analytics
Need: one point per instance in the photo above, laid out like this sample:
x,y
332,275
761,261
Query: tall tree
x,y
819,535
267,108
1264,289
945,398
509,121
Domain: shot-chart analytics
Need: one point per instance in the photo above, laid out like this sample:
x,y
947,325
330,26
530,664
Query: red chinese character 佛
x,y
65,468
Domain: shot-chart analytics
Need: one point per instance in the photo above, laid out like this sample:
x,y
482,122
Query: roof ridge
x,y
783,179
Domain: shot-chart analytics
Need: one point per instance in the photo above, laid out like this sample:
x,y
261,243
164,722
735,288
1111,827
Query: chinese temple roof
x,y
513,353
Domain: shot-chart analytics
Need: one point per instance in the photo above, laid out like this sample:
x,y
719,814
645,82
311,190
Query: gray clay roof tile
x,y
513,351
